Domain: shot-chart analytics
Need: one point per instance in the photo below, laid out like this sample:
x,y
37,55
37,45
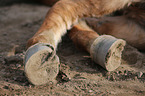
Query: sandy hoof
x,y
106,51
41,64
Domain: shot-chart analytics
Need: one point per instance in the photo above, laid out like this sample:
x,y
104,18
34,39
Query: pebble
x,y
30,86
140,74
118,73
18,65
58,85
125,72
14,78
90,91
111,78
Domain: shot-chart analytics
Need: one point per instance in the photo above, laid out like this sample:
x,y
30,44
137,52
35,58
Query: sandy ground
x,y
79,77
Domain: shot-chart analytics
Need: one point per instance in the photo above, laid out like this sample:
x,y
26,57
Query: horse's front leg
x,y
41,61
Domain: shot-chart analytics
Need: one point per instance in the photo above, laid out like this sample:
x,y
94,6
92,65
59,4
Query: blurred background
x,y
10,2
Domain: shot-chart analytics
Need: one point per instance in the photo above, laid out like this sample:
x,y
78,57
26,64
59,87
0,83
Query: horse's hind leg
x,y
105,50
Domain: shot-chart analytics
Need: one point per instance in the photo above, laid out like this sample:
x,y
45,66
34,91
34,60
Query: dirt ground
x,y
79,76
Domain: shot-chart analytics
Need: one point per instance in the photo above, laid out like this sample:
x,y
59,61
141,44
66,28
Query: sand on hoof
x,y
106,51
42,67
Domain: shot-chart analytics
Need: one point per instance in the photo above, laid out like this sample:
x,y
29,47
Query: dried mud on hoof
x,y
41,64
106,51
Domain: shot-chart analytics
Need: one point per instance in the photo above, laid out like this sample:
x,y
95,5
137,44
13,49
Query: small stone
x,y
30,86
90,91
50,82
111,78
140,74
125,72
14,78
57,85
18,65
135,78
118,73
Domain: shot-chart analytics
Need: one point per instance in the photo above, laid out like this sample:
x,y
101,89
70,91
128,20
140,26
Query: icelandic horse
x,y
41,61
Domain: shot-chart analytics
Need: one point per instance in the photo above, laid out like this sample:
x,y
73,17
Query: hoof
x,y
106,51
41,64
